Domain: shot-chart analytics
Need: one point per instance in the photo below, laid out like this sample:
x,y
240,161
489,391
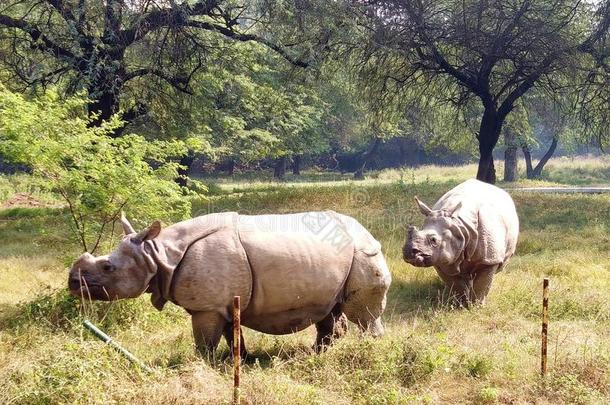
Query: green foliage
x,y
59,310
478,365
96,175
518,123
247,109
488,395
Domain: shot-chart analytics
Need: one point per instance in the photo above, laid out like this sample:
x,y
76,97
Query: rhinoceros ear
x,y
127,228
423,207
149,233
455,210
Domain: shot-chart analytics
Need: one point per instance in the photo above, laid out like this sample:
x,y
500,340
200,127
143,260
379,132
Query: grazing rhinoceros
x,y
290,271
468,236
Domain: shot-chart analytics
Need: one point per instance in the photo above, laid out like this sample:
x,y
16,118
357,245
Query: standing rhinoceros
x,y
290,271
468,236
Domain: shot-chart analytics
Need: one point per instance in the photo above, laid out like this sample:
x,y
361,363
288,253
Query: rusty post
x,y
236,346
545,324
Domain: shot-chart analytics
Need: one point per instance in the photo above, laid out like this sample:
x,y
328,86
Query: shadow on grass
x,y
407,298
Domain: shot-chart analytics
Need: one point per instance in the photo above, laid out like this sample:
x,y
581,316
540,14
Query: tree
x,y
551,120
517,132
106,47
488,53
592,101
96,175
296,122
245,112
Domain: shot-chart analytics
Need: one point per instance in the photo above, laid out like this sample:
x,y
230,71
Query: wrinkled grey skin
x,y
468,236
103,278
287,275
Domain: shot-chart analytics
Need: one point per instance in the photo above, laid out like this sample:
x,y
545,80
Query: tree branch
x,y
63,10
36,36
438,58
490,59
176,15
600,31
229,33
178,82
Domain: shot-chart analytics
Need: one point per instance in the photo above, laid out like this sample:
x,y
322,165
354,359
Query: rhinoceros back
x,y
299,263
290,270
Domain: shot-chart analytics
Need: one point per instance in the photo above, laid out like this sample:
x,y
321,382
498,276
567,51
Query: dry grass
x,y
430,354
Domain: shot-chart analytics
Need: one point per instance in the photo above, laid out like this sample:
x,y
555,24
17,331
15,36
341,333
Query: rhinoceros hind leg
x,y
228,333
330,328
207,330
482,284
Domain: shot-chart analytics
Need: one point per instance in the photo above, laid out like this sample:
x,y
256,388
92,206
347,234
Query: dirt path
x,y
25,200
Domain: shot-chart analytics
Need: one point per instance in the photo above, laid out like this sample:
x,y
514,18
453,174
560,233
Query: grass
x,y
563,171
430,353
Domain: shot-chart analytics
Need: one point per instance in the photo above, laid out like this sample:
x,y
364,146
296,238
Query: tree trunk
x,y
487,170
231,167
103,93
279,172
510,156
489,133
104,90
296,165
183,172
536,172
511,167
529,170
103,108
366,156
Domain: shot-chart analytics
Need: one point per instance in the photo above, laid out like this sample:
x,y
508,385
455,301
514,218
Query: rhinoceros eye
x,y
108,267
433,240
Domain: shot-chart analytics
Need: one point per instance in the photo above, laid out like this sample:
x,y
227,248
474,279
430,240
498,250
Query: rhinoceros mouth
x,y
418,259
87,290
419,262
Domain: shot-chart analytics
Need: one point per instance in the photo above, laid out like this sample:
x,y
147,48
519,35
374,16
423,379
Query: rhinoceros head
x,y
124,273
440,243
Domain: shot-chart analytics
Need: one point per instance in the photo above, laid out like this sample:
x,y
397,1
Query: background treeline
x,y
251,84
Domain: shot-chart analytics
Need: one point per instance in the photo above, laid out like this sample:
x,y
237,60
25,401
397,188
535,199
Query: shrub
x,y
96,174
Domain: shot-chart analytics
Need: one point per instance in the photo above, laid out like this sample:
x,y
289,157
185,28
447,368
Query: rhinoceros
x,y
469,235
291,271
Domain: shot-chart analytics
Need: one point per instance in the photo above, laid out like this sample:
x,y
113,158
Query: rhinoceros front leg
x,y
481,284
457,289
330,328
207,330
228,332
